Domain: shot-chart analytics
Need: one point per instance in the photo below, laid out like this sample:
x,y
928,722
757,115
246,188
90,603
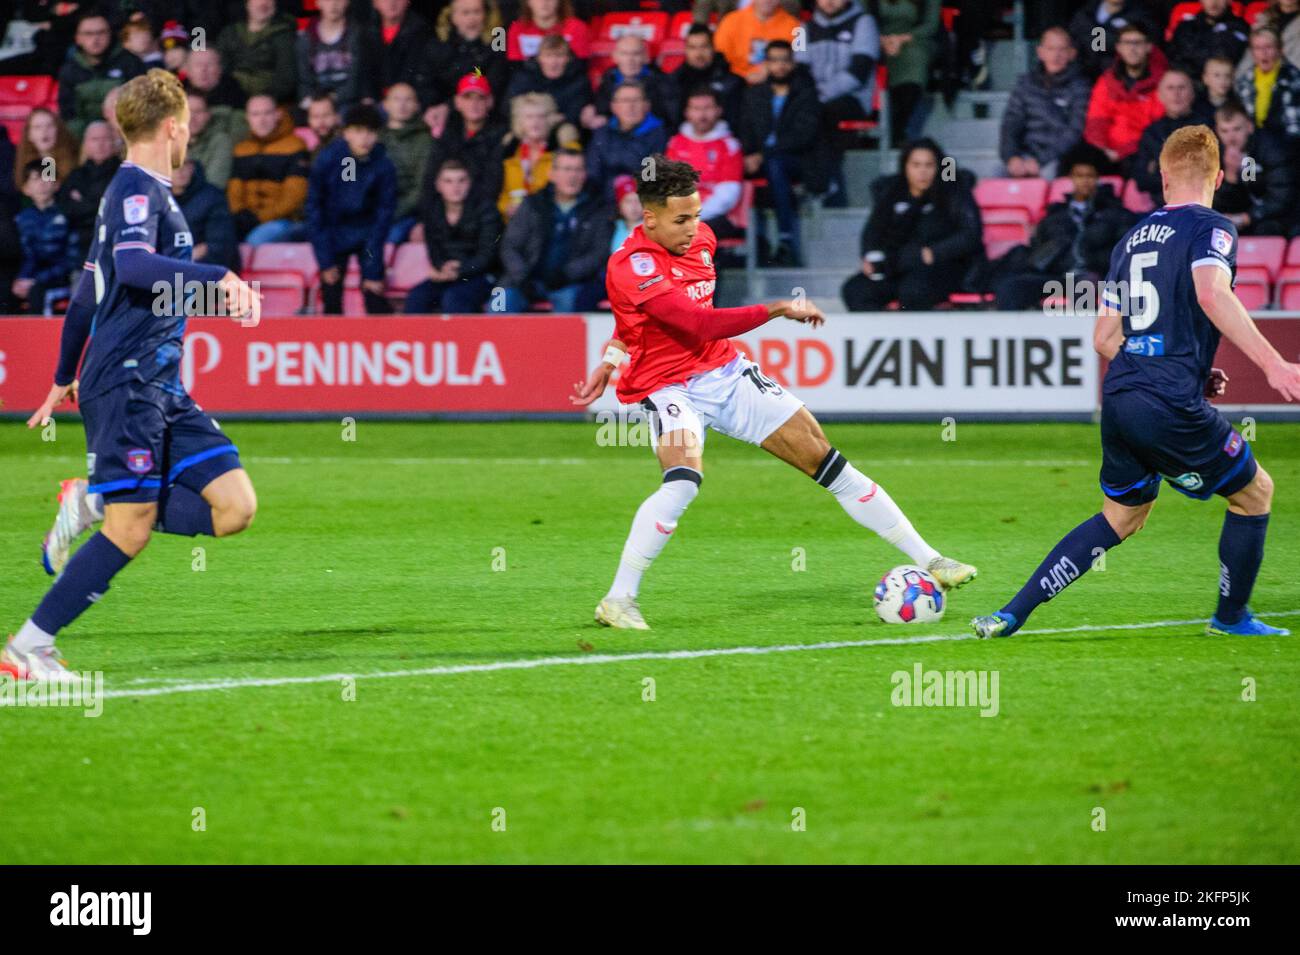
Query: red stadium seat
x,y
672,53
1253,10
1062,186
286,257
740,213
949,15
1019,198
14,127
1259,260
29,91
1288,279
1253,295
1135,200
282,292
410,267
1001,236
245,257
679,24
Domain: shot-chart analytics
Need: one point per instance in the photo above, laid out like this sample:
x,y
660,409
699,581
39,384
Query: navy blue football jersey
x,y
137,333
1169,341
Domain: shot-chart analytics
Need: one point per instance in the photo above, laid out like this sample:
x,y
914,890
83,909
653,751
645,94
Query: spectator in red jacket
x,y
1124,101
541,17
705,141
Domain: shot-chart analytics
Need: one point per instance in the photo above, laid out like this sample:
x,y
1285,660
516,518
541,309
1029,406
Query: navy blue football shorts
x,y
141,439
1143,439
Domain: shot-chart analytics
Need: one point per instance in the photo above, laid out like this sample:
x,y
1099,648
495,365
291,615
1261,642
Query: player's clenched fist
x,y
802,311
243,302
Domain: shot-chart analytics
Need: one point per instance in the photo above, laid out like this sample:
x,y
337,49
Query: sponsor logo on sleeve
x,y
1221,241
135,209
649,282
642,263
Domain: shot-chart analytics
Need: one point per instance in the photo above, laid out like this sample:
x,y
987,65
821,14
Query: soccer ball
x,y
908,594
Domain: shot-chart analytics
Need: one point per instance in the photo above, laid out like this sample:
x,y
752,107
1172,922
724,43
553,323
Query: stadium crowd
x,y
463,155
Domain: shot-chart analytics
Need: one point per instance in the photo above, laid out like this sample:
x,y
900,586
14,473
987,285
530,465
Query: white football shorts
x,y
736,399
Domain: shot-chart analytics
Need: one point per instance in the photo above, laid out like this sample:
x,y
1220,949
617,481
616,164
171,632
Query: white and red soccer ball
x,y
908,594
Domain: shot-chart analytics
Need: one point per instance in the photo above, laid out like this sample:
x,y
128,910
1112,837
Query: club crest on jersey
x,y
1221,240
1191,481
642,263
135,209
1232,447
139,460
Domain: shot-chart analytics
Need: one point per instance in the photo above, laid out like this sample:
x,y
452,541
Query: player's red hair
x,y
1191,155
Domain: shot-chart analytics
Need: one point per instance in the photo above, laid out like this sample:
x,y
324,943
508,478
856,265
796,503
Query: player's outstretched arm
x,y
1218,300
585,392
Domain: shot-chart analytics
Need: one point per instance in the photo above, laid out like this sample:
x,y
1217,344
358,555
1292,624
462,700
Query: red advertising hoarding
x,y
345,365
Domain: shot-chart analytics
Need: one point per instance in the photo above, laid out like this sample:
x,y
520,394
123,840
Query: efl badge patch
x,y
135,209
139,460
1221,240
1232,447
705,257
642,263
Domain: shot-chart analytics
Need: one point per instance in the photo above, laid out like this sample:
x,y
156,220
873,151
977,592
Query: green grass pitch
x,y
425,546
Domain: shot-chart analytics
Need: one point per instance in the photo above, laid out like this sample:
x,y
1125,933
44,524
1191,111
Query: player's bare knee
x,y
235,514
1256,497
130,533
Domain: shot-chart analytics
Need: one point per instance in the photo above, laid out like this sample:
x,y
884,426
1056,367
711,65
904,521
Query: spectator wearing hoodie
x,y
49,246
80,193
471,135
702,65
1214,31
1261,189
622,144
539,18
841,50
323,121
780,140
398,43
461,233
556,246
1178,97
1046,110
332,57
268,177
350,206
555,72
1096,53
261,52
211,142
1075,237
1216,84
1124,100
1270,88
922,237
743,35
206,74
632,62
705,141
92,68
462,43
206,212
407,141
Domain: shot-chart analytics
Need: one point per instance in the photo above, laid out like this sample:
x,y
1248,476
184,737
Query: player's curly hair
x,y
146,101
662,178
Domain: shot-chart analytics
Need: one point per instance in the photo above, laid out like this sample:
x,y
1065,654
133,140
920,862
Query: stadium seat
x,y
1061,187
740,213
1253,10
1018,199
282,292
1259,260
29,91
410,267
14,127
679,24
1288,279
245,257
286,257
672,53
1001,236
1135,200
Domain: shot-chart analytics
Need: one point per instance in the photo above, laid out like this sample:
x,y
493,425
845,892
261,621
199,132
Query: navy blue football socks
x,y
185,512
1069,560
1241,551
84,580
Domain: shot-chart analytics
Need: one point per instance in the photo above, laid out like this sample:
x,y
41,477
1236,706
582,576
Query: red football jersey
x,y
639,270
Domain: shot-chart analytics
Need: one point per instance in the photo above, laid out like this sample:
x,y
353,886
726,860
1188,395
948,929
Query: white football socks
x,y
871,506
655,521
31,637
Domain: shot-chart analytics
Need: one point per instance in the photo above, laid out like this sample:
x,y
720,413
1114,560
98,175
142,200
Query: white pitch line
x,y
202,686
603,461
